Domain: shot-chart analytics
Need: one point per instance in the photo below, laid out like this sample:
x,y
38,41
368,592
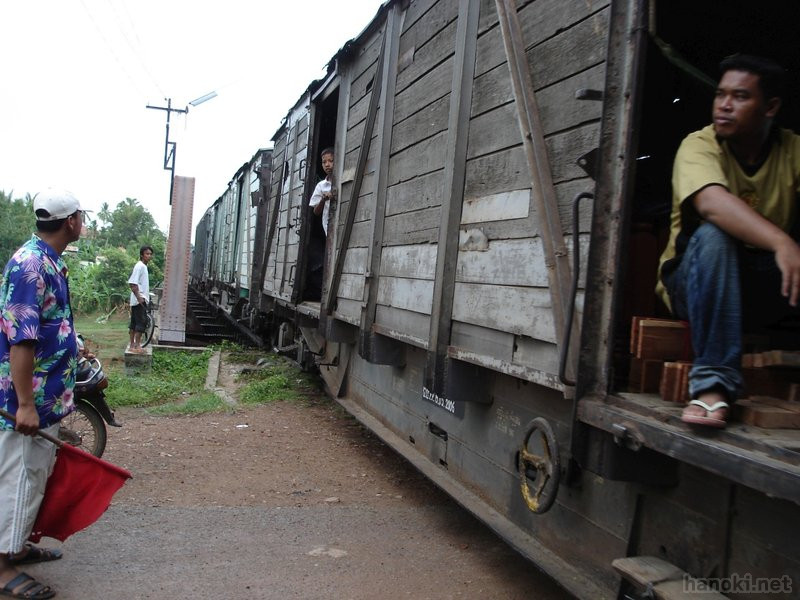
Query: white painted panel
x,y
524,311
410,294
417,261
497,207
351,287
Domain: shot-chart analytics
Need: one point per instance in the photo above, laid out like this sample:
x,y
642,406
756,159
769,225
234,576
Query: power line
x,y
111,50
135,48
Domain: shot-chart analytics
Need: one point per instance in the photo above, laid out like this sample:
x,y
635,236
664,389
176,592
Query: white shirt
x,y
323,187
140,277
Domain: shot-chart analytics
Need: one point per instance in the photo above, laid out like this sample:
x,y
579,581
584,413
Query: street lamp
x,y
170,148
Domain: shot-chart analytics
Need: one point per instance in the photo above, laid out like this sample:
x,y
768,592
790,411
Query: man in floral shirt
x,y
38,357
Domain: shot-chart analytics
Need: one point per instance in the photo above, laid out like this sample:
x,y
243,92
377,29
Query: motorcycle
x,y
85,427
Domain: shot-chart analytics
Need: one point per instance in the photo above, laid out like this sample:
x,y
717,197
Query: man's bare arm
x,y
733,215
22,358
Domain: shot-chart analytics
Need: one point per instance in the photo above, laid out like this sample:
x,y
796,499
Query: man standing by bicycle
x,y
140,294
38,359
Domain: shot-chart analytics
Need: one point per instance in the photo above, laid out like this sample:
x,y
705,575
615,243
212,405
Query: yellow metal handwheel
x,y
539,466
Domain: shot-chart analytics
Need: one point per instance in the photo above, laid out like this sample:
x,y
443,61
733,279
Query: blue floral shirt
x,y
34,305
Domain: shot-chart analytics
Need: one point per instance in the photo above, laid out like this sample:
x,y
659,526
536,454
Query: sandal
x,y
705,420
25,586
36,555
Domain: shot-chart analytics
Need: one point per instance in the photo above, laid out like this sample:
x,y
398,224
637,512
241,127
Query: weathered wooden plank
x,y
415,261
355,261
405,322
558,107
360,235
352,287
517,262
536,354
365,204
362,65
430,87
574,29
348,311
424,157
488,342
515,204
427,53
488,14
355,135
519,310
423,124
417,227
415,11
499,129
409,294
507,170
417,193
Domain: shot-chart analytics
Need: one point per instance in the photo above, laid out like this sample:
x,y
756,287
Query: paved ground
x,y
289,500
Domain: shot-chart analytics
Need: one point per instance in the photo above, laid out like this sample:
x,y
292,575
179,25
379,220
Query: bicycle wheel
x,y
84,428
147,334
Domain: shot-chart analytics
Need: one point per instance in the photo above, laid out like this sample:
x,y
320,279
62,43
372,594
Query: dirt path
x,y
287,500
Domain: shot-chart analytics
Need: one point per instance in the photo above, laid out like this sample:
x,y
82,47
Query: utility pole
x,y
170,148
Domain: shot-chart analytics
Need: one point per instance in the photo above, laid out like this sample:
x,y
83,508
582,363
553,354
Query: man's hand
x,y
27,419
787,257
142,300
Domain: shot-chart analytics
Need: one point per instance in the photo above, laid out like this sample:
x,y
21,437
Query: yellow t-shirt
x,y
703,160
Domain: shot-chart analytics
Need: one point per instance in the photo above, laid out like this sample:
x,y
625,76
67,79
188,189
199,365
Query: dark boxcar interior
x,y
687,37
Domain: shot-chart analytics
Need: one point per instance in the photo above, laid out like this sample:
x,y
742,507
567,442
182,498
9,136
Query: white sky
x,y
76,75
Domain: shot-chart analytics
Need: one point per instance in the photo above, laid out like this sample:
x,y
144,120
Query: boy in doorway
x,y
320,199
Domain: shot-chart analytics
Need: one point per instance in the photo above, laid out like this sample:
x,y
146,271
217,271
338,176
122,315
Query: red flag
x,y
78,492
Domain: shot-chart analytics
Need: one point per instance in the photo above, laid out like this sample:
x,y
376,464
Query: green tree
x,y
129,222
17,223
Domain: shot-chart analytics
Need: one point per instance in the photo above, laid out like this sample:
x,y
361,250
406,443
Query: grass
x,y
281,380
177,380
174,386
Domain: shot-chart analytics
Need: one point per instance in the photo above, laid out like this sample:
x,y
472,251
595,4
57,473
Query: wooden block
x,y
794,392
766,416
771,401
674,385
747,361
768,382
651,376
663,339
784,358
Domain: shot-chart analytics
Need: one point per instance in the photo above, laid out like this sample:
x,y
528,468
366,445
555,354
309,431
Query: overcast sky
x,y
76,76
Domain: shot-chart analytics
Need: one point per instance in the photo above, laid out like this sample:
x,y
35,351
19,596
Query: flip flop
x,y
706,421
36,555
25,586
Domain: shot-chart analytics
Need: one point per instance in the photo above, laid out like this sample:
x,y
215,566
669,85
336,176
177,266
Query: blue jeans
x,y
722,287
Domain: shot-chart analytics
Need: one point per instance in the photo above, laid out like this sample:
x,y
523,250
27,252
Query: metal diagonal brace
x,y
544,195
361,166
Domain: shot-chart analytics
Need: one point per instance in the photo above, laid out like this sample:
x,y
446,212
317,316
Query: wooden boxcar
x,y
502,180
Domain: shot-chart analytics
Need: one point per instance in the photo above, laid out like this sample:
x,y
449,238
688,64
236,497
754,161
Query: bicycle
x,y
147,334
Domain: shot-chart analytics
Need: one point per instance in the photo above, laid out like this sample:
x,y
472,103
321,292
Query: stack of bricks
x,y
662,352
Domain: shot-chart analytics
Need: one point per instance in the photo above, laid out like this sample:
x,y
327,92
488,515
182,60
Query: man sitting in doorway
x,y
731,261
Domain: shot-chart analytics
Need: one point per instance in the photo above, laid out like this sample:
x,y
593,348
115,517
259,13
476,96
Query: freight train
x,y
501,195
